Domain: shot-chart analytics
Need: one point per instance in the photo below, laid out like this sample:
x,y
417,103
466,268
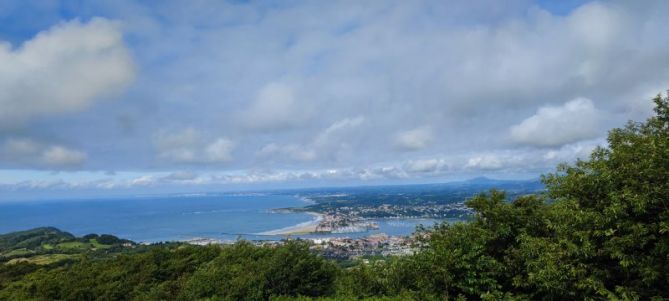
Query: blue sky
x,y
113,96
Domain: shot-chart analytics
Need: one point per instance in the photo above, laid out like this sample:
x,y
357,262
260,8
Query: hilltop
x,y
47,245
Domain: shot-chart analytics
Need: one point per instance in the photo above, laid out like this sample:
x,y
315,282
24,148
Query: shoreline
x,y
307,227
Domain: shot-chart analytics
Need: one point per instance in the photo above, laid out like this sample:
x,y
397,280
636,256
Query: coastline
x,y
301,228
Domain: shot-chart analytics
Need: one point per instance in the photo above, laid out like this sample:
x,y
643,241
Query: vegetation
x,y
49,245
33,238
601,232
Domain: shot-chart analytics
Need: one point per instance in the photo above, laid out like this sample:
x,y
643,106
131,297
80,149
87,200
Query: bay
x,y
223,217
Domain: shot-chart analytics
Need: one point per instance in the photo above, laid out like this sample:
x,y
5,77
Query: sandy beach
x,y
301,228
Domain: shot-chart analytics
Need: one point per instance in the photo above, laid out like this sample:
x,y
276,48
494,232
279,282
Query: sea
x,y
150,219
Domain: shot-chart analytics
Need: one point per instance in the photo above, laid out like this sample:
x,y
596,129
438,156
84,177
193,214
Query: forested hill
x,y
604,235
48,245
31,239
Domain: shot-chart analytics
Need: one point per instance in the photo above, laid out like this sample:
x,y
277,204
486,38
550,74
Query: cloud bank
x,y
574,121
321,91
62,70
26,152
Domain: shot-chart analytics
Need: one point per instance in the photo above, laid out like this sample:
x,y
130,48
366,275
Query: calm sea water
x,y
168,218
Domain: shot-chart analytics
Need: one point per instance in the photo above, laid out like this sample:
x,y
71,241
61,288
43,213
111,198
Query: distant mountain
x,y
482,180
478,184
489,181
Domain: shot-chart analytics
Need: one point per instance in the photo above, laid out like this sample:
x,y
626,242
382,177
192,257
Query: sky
x,y
117,96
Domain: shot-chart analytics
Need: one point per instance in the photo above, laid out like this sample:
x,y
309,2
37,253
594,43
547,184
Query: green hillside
x,y
31,239
47,245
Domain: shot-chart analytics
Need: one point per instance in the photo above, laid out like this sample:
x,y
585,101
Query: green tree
x,y
612,215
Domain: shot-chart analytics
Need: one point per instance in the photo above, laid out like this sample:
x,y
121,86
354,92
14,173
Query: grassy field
x,y
18,252
43,259
78,245
72,248
47,245
98,245
73,245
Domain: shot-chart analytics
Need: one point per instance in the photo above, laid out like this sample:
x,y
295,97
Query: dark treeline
x,y
601,232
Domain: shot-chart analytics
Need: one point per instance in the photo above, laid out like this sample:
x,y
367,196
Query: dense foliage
x,y
601,232
164,272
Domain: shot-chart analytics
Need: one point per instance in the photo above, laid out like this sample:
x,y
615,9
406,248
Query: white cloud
x,y
330,142
27,152
571,152
291,151
64,69
180,176
219,150
142,181
596,25
554,126
187,146
415,139
276,107
426,165
21,147
169,140
338,128
485,162
286,83
59,156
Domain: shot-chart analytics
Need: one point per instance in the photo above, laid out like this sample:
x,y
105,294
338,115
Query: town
x,y
343,248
